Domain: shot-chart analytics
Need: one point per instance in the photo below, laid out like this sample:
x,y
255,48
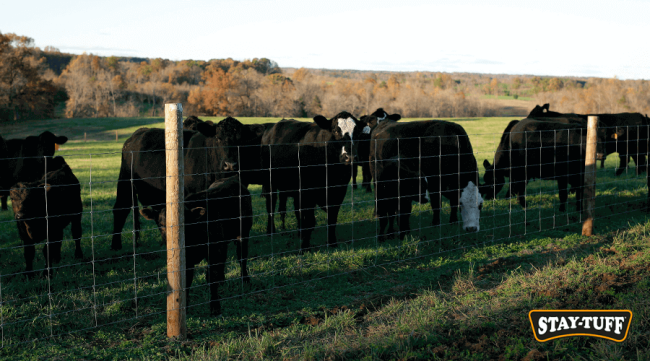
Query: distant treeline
x,y
46,83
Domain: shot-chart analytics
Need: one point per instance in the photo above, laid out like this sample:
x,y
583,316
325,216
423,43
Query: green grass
x,y
440,293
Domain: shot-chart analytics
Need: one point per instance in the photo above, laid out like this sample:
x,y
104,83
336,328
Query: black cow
x,y
437,158
227,210
531,149
627,134
44,208
311,163
212,153
25,159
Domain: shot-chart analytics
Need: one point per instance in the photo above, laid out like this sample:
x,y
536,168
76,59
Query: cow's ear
x,y
486,164
60,139
208,130
395,117
620,133
149,213
546,106
197,212
323,122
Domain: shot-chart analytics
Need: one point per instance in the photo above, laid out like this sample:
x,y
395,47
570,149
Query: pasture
x,y
440,293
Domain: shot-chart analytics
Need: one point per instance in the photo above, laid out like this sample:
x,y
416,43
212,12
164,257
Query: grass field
x,y
439,294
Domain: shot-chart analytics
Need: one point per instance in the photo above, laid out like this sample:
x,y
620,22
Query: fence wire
x,y
240,255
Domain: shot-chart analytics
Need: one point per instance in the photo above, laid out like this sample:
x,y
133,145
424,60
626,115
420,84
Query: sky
x,y
555,38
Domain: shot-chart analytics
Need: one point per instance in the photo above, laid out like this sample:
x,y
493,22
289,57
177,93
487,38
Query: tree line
x,y
36,84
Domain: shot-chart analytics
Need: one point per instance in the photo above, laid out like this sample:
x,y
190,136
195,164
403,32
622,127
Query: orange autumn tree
x,y
212,97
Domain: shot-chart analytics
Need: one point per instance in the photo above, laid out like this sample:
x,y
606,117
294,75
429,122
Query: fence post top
x,y
174,106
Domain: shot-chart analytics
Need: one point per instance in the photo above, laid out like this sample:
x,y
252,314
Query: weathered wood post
x,y
176,302
116,133
589,193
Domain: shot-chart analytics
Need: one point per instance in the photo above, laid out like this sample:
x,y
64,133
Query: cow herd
x,y
312,163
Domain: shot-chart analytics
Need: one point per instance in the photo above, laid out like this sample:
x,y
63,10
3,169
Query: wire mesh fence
x,y
265,219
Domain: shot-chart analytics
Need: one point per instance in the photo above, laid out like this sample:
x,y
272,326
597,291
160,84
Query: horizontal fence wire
x,y
290,218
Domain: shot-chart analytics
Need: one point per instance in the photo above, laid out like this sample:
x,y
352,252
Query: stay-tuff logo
x,y
551,324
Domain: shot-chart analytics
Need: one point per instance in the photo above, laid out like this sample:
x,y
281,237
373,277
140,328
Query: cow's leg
x,y
623,158
562,189
29,253
332,218
602,163
433,185
404,217
296,210
76,235
518,188
3,199
242,256
271,198
367,177
579,193
189,277
307,223
121,209
355,172
383,222
282,208
641,165
216,269
52,250
453,202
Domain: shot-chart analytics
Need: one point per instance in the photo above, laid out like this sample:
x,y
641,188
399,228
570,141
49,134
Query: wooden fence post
x,y
589,192
116,134
176,301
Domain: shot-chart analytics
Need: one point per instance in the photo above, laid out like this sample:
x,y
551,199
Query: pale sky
x,y
560,38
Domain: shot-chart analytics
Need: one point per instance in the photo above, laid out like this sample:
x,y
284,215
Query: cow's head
x,y
471,203
228,134
28,203
31,163
192,123
539,111
345,128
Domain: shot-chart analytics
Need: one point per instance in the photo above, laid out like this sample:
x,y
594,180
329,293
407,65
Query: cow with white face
x,y
311,163
440,154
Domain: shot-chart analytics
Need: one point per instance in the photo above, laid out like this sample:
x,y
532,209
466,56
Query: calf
x,y
227,210
25,159
396,188
42,209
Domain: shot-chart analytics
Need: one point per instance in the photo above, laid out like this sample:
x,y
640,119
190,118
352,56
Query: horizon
x,y
361,36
